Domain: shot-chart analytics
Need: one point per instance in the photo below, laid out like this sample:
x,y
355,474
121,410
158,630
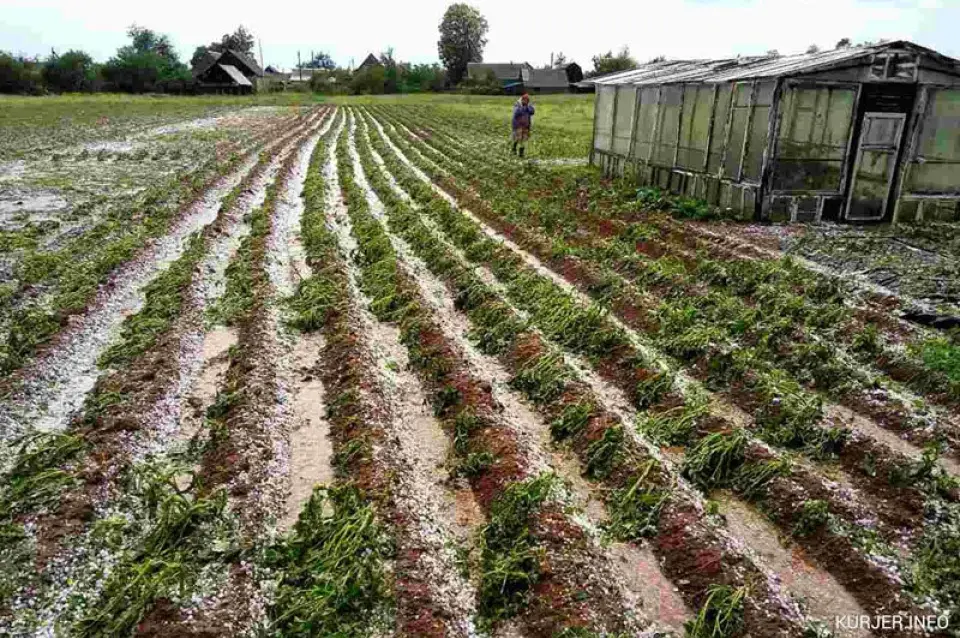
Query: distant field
x,y
28,123
562,125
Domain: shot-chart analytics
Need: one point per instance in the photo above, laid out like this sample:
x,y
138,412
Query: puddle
x,y
311,450
110,147
824,597
13,203
216,343
661,599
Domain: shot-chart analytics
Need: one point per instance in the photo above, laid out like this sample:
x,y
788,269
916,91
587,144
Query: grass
x,y
635,509
721,615
334,568
164,298
510,559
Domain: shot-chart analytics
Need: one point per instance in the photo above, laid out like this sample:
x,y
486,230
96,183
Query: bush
x,y
74,71
20,75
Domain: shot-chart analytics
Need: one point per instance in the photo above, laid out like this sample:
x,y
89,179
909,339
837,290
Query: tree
x,y
72,71
813,49
610,63
659,58
774,53
322,60
560,61
240,40
462,32
843,43
372,79
149,63
20,75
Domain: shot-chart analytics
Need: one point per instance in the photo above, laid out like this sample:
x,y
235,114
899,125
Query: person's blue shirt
x,y
522,114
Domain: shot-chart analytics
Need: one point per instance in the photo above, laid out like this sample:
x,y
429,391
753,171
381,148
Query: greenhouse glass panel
x,y
669,117
626,100
719,126
738,129
938,146
645,121
602,131
814,133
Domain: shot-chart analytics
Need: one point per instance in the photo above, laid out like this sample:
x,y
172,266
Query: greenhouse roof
x,y
766,66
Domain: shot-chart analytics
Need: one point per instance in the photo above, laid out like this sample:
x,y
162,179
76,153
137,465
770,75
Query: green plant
x,y
720,615
813,516
571,421
635,509
333,576
510,558
715,459
604,453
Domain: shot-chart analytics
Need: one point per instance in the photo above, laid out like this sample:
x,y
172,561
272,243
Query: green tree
x,y
240,40
20,75
149,63
71,72
370,80
609,63
322,60
560,61
462,32
843,43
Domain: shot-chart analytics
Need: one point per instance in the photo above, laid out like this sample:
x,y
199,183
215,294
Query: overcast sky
x,y
519,29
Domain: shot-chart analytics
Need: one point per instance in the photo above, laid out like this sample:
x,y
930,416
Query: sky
x,y
520,30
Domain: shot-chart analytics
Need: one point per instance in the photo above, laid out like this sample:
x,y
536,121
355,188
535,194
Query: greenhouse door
x,y
875,166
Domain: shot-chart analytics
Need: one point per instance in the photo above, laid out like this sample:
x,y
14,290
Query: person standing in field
x,y
522,116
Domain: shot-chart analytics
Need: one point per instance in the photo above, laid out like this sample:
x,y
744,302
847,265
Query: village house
x,y
227,72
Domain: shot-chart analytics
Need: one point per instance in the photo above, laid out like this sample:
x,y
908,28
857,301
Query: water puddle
x,y
825,598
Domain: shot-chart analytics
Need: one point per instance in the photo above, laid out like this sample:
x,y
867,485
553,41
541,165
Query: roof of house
x,y
205,63
765,66
235,74
546,78
370,60
251,65
502,71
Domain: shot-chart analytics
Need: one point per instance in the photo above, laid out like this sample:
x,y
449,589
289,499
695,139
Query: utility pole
x,y
551,59
300,66
260,45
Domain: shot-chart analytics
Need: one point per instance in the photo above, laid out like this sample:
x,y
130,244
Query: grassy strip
x,y
720,459
529,542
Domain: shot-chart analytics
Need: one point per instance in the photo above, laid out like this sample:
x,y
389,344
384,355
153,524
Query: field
x,y
350,368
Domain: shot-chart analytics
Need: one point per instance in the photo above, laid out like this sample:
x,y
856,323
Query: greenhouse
x,y
859,134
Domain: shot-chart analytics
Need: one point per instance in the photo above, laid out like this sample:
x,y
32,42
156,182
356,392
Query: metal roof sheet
x,y
732,69
235,74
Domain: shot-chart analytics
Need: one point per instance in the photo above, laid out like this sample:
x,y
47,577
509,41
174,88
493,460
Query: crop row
x,y
718,441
